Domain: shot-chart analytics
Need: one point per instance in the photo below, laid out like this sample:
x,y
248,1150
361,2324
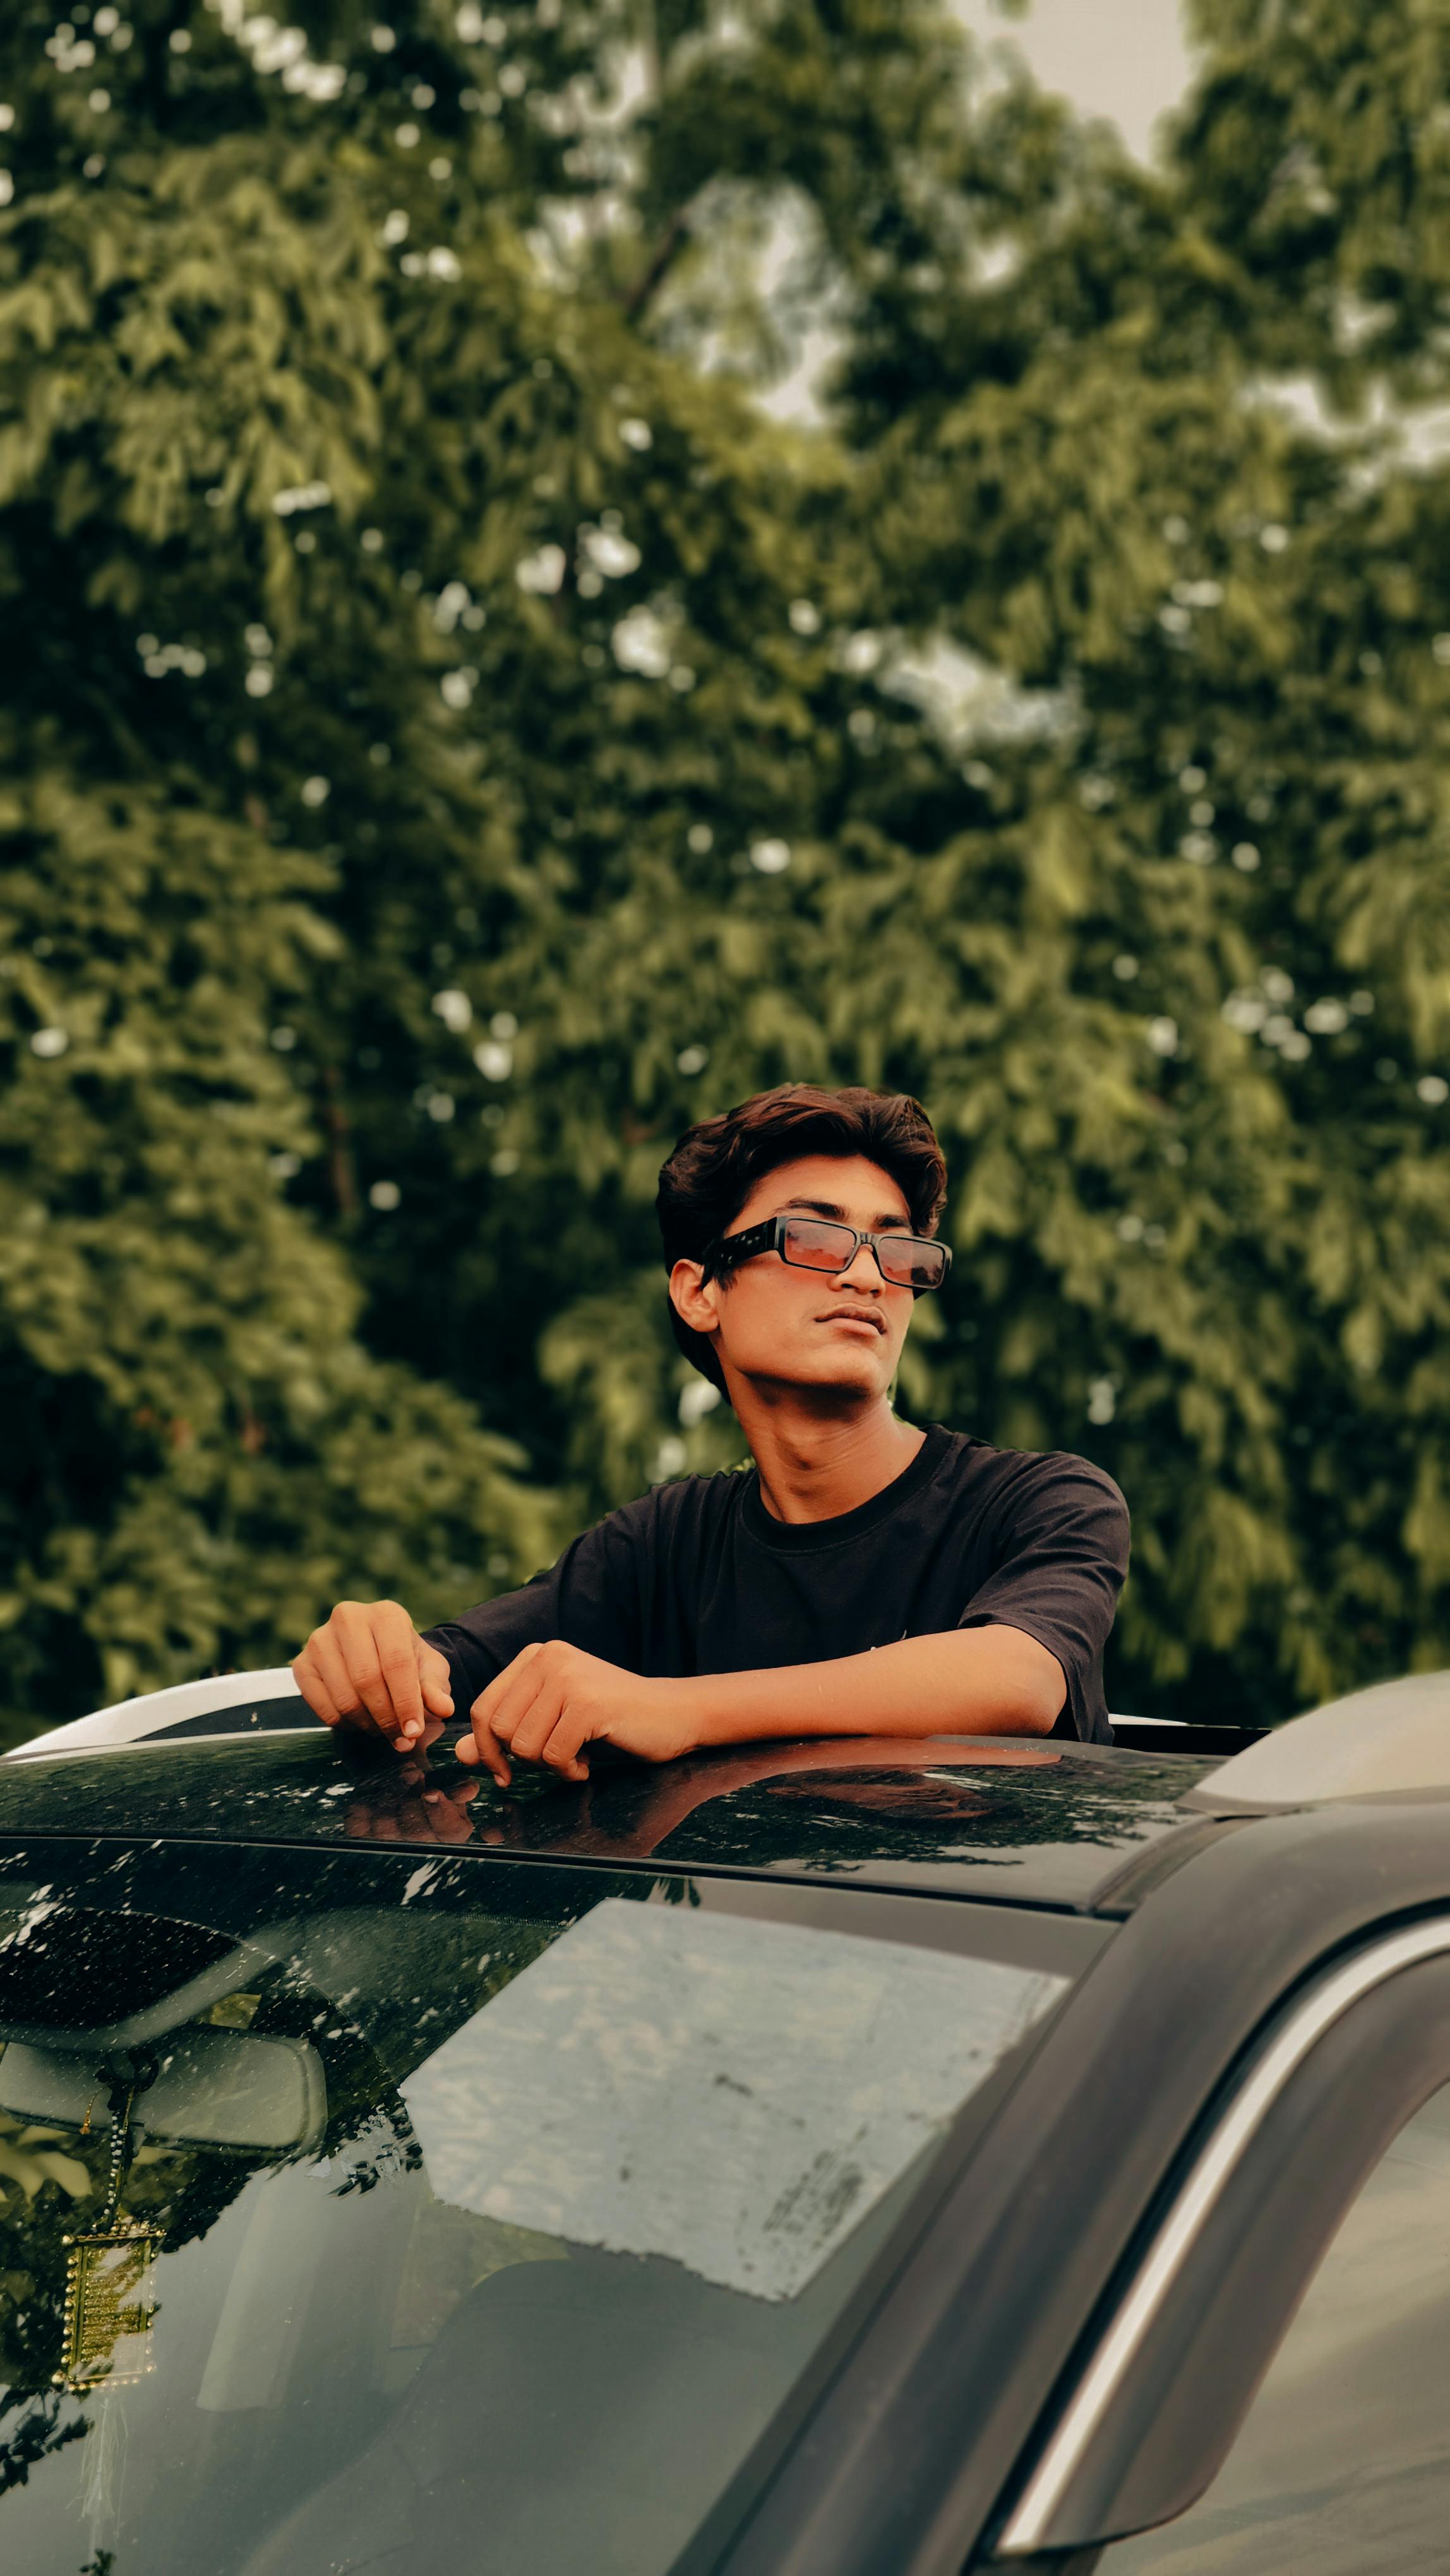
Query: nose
x,y
862,1274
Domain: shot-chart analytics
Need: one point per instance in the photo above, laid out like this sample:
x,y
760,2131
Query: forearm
x,y
967,1681
553,1701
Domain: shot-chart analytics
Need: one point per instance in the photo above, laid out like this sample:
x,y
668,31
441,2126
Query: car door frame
x,y
1150,2410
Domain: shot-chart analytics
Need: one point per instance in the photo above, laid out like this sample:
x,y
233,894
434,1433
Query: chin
x,y
855,1369
834,1369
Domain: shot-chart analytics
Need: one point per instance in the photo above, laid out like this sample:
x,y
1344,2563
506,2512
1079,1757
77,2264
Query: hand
x,y
367,1666
553,1699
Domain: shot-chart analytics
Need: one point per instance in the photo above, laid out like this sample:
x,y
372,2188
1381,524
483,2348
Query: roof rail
x,y
225,1704
1388,1741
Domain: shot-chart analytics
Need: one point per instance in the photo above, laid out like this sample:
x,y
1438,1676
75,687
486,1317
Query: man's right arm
x,y
368,1667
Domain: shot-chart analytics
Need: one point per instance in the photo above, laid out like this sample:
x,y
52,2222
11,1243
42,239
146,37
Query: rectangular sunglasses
x,y
817,1243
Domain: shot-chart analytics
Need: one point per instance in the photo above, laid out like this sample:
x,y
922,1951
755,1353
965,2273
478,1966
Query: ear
x,y
695,1301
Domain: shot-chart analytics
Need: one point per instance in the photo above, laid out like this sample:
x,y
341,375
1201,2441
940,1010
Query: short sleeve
x,y
590,1598
1062,1556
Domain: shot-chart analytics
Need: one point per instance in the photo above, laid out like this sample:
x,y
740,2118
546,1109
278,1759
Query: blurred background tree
x,y
457,736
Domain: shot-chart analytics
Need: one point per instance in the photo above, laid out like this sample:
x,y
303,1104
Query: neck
x,y
814,1465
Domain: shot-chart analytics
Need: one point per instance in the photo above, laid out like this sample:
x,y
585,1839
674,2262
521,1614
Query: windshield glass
x,y
354,2207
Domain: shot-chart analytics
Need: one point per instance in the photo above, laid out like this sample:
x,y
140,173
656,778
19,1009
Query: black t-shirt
x,y
697,1577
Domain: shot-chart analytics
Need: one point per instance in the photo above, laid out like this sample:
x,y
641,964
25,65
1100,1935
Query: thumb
x,y
436,1681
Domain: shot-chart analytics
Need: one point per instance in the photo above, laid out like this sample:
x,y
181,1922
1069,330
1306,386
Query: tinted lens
x,y
908,1262
813,1243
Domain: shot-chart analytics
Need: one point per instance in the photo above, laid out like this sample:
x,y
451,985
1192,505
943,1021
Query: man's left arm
x,y
553,1701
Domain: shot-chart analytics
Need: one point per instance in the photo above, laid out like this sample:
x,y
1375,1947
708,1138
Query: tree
x,y
198,1446
1202,1229
294,427
1234,604
392,386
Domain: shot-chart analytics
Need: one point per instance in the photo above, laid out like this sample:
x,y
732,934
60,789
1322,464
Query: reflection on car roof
x,y
1039,1823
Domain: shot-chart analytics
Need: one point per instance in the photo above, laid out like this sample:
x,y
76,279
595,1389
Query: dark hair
x,y
716,1165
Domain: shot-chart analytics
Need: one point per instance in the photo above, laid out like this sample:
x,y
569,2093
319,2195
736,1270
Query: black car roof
x,y
1028,1823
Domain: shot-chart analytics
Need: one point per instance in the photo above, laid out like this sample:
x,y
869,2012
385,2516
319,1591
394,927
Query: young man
x,y
864,1578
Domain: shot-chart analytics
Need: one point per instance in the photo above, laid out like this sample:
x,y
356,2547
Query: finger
x,y
337,1681
321,1676
502,1701
536,1723
432,1729
552,1733
436,1680
307,1674
500,1708
562,1749
357,1641
395,1644
483,1746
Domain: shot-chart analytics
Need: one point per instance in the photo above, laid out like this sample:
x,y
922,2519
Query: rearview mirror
x,y
212,2088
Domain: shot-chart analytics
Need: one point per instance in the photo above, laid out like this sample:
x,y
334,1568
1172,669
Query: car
x,y
853,2158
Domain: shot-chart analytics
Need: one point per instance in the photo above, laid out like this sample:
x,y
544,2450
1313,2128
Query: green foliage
x,y
198,1449
457,738
1237,820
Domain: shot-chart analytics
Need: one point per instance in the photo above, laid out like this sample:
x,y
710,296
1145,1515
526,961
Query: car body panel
x,y
271,1699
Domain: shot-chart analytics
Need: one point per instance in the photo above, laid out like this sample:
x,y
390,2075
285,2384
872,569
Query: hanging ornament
x,y
109,2309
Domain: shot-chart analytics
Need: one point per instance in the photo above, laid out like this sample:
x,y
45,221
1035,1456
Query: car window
x,y
354,2207
1343,2462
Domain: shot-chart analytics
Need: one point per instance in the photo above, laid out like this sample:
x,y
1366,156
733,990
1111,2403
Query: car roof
x,y
1029,1823
240,1758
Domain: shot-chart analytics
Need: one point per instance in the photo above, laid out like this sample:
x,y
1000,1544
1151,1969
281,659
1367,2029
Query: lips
x,y
854,1315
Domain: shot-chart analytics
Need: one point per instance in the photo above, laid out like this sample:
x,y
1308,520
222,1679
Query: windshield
x,y
354,2209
